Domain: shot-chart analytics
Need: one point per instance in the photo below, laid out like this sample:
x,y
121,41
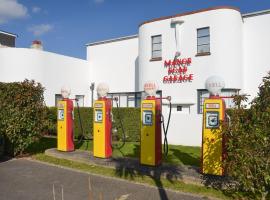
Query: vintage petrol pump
x,y
102,123
65,140
213,142
151,120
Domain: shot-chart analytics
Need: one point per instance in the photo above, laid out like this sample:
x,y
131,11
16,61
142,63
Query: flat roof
x,y
262,12
112,40
252,14
10,34
190,13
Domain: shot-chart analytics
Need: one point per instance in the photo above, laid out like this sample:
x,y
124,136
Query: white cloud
x,y
36,9
98,1
11,9
41,29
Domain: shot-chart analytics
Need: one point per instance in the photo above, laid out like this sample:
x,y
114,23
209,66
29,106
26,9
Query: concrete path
x,y
188,174
31,180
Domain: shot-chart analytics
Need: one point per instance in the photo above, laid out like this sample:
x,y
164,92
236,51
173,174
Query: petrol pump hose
x,y
122,127
82,136
165,130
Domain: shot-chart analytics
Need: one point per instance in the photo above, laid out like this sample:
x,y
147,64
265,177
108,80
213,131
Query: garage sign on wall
x,y
177,71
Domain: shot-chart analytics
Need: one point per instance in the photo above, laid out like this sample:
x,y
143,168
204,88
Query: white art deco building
x,y
177,52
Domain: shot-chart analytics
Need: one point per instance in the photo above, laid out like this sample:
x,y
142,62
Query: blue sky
x,y
65,26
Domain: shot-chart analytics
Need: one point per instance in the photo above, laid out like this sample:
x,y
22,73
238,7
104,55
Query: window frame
x,y
200,99
204,44
57,97
80,95
152,47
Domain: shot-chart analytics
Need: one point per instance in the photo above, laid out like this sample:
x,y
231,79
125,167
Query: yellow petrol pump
x,y
102,147
65,141
151,120
213,142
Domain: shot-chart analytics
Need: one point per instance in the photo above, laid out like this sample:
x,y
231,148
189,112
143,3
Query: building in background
x,y
7,39
177,52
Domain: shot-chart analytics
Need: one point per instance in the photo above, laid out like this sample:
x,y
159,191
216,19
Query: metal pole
x,y
92,87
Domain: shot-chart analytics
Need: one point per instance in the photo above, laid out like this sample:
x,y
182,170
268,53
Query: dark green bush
x,y
248,144
22,114
130,118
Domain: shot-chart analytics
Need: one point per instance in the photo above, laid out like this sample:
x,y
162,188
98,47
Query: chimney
x,y
36,44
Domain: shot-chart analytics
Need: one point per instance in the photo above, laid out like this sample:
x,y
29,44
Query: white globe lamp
x,y
65,92
214,84
150,88
102,90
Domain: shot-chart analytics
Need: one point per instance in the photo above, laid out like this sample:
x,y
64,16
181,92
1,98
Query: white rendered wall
x,y
115,63
50,69
256,52
225,61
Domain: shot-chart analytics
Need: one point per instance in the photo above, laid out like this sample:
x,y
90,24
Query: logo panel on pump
x,y
98,105
147,105
212,105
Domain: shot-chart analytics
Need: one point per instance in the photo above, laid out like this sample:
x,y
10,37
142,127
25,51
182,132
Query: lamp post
x,y
92,87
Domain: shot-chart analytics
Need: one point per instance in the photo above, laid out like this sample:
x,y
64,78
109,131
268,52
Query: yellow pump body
x,y
213,142
151,148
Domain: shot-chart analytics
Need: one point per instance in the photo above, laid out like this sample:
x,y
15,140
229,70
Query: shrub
x,y
248,146
22,114
130,118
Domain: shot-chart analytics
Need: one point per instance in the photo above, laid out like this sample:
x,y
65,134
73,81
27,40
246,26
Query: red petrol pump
x,y
151,120
65,140
103,124
213,142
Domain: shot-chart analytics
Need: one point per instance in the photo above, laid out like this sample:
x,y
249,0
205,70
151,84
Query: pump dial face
x,y
212,120
147,118
98,116
61,114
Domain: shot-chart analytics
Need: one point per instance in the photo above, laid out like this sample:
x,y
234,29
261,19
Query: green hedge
x,y
248,146
130,118
22,113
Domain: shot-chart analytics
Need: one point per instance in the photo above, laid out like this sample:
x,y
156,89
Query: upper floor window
x,y
203,40
156,46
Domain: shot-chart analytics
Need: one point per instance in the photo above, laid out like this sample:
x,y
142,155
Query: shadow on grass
x,y
130,168
183,158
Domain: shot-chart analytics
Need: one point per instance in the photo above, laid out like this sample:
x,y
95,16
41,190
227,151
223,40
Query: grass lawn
x,y
177,154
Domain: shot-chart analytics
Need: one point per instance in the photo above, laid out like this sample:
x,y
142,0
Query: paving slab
x,y
188,174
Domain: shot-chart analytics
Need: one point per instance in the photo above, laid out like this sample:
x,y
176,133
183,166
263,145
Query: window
x,y
203,94
57,98
203,40
156,46
80,100
179,108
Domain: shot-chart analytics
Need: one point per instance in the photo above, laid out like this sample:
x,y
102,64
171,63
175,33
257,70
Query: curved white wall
x,y
50,69
225,61
256,51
